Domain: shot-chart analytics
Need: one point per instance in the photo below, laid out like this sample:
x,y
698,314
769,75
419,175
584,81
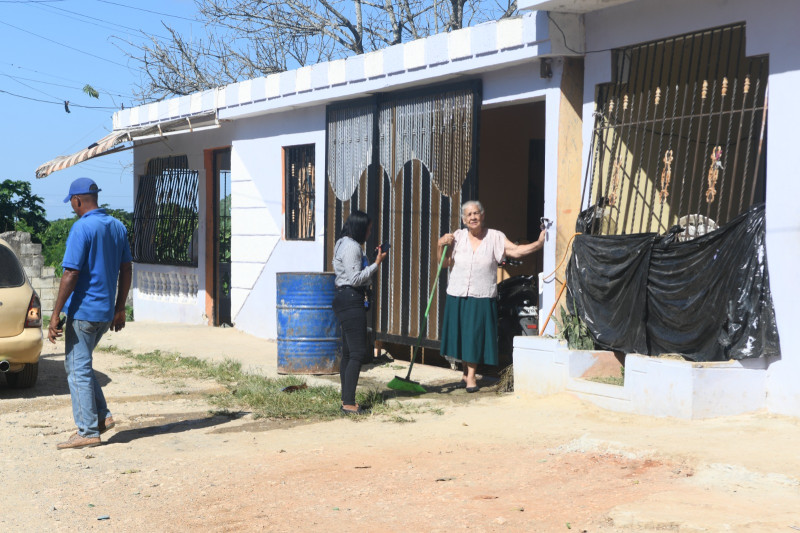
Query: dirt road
x,y
485,462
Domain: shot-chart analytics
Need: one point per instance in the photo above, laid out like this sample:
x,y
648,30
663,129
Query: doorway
x,y
219,257
511,170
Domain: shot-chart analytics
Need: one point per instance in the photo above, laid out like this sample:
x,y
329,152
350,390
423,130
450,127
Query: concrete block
x,y
273,86
47,294
303,80
436,51
288,82
354,68
31,249
540,365
319,76
393,58
258,89
373,64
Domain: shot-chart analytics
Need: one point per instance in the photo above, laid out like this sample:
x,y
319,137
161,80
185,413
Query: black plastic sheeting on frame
x,y
707,299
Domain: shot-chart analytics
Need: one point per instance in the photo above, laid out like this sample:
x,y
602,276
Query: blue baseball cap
x,y
82,186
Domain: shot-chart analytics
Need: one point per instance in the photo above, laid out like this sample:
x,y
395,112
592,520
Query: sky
x,y
51,49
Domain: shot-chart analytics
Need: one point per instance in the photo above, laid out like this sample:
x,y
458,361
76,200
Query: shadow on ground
x,y
166,424
52,380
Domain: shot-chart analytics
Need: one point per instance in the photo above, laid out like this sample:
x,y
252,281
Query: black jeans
x,y
348,305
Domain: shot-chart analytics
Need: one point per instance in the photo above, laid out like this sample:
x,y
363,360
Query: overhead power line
x,y
106,24
64,45
56,103
14,65
146,10
17,78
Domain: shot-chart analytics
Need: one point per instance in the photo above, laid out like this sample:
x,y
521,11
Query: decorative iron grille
x,y
299,174
165,215
679,135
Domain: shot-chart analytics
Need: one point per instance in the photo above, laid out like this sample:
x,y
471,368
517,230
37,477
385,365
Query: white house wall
x,y
257,217
771,28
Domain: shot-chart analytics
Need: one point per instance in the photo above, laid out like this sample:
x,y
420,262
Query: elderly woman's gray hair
x,y
470,203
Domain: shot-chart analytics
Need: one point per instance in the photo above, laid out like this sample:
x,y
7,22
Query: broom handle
x,y
424,327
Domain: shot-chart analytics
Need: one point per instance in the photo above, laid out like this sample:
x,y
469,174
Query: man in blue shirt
x,y
97,254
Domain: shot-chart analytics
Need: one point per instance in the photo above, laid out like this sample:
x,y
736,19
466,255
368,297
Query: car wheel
x,y
24,379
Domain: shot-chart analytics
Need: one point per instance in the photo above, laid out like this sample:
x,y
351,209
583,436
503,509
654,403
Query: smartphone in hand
x,y
384,247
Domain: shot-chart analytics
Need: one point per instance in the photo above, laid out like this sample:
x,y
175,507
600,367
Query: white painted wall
x,y
771,29
259,248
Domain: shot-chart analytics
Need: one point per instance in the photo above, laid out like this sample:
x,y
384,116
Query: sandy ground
x,y
485,461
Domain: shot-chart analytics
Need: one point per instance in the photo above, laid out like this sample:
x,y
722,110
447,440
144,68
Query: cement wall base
x,y
655,386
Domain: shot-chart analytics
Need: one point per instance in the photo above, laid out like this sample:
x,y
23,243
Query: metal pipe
x,y
4,366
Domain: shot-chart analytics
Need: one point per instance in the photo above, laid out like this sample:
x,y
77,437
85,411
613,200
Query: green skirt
x,y
469,331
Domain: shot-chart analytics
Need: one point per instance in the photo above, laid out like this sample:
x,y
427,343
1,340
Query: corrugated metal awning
x,y
116,141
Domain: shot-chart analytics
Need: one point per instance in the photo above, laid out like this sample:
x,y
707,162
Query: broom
x,y
405,384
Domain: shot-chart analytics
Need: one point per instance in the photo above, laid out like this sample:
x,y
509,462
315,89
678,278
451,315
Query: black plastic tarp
x,y
707,299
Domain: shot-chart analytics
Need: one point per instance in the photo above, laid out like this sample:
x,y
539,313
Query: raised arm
x,y
515,251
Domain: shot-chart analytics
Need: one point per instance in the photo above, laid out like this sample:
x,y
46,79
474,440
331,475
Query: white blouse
x,y
474,273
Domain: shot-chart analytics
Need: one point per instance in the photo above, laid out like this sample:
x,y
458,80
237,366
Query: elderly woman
x,y
353,276
469,331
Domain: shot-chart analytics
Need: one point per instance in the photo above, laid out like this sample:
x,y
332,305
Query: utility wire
x,y
64,45
17,78
106,91
56,103
563,35
136,32
146,10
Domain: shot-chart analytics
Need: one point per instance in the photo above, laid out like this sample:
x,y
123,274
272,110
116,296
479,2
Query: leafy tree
x,y
20,209
54,242
251,38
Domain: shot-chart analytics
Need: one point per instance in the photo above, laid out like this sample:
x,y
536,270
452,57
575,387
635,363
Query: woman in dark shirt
x,y
353,276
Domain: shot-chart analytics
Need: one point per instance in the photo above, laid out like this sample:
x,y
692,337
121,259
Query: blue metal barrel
x,y
309,339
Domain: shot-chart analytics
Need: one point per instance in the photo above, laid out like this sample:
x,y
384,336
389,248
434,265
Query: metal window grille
x,y
299,174
679,135
165,215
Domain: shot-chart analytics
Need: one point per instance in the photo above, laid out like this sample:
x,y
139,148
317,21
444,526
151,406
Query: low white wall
x,y
168,294
653,386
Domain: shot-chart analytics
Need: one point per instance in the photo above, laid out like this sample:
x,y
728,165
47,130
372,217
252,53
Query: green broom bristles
x,y
406,385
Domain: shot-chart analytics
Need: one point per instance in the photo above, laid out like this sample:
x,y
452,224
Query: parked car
x,y
21,335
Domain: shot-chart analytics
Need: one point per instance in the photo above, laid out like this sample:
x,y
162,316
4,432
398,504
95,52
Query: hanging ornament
x,y
612,197
666,175
713,173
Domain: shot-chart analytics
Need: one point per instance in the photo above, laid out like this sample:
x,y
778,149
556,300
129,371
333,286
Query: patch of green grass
x,y
609,380
402,412
262,396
